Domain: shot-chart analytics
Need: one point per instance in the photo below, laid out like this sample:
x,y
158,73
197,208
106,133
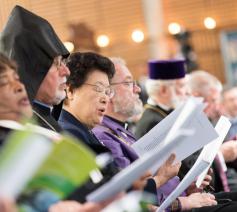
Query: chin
x,y
98,121
58,99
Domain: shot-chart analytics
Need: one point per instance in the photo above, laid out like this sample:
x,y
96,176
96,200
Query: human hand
x,y
206,181
167,171
229,150
7,205
141,182
197,200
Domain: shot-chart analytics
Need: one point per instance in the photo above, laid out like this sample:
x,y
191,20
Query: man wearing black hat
x,y
31,41
166,88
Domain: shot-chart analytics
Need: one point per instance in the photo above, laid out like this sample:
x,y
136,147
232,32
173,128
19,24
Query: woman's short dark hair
x,y
5,62
82,64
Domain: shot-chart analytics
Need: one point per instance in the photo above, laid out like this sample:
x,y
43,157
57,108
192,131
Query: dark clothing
x,y
31,41
69,123
44,119
150,118
4,132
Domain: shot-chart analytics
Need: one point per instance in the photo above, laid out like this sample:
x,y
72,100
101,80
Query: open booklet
x,y
180,140
190,116
31,162
202,164
134,171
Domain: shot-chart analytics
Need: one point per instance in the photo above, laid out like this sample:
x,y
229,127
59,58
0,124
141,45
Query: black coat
x,y
43,116
72,125
150,118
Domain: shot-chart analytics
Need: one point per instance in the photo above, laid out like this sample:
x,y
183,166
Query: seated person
x,y
14,103
112,132
88,93
15,106
40,60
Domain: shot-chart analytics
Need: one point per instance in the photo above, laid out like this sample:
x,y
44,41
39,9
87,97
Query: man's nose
x,y
64,71
136,89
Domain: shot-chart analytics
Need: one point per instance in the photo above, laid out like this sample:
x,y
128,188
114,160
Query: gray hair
x,y
118,61
202,82
153,86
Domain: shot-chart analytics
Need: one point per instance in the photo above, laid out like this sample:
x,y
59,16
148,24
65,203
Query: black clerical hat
x,y
166,69
32,42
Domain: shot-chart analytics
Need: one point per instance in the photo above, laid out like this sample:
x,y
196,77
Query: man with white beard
x,y
166,88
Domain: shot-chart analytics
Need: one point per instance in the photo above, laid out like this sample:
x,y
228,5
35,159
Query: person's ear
x,y
69,94
164,91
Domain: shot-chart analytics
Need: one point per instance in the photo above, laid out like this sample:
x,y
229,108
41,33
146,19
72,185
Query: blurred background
x,y
202,31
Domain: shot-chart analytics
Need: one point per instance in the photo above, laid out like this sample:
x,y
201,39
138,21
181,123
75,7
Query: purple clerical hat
x,y
166,69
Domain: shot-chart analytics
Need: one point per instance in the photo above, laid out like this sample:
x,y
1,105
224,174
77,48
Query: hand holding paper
x,y
202,164
167,171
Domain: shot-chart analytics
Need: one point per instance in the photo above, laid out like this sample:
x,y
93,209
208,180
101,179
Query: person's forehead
x,y
123,73
181,81
8,70
214,94
231,93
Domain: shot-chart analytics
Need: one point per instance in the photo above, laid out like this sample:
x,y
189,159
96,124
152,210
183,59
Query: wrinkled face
x,y
88,103
178,92
212,99
230,102
52,89
14,103
126,100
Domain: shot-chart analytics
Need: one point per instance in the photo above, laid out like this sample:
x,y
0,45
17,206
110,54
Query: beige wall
x,y
206,43
118,18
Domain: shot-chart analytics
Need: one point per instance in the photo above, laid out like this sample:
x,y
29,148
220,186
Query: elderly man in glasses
x,y
88,93
32,42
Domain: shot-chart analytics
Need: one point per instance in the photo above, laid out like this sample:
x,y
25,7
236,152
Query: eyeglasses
x,y
108,91
59,62
131,84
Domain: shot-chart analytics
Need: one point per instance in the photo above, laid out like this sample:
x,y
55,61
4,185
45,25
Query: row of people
x,y
94,84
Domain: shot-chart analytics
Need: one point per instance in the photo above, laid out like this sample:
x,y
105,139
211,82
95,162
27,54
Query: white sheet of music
x,y
197,169
134,171
211,150
202,164
190,117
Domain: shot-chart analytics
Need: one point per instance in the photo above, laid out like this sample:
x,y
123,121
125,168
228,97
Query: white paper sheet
x,y
191,117
21,166
210,150
202,164
34,128
197,169
127,176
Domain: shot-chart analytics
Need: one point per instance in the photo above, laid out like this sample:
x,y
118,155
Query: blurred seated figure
x,y
14,103
229,102
204,84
